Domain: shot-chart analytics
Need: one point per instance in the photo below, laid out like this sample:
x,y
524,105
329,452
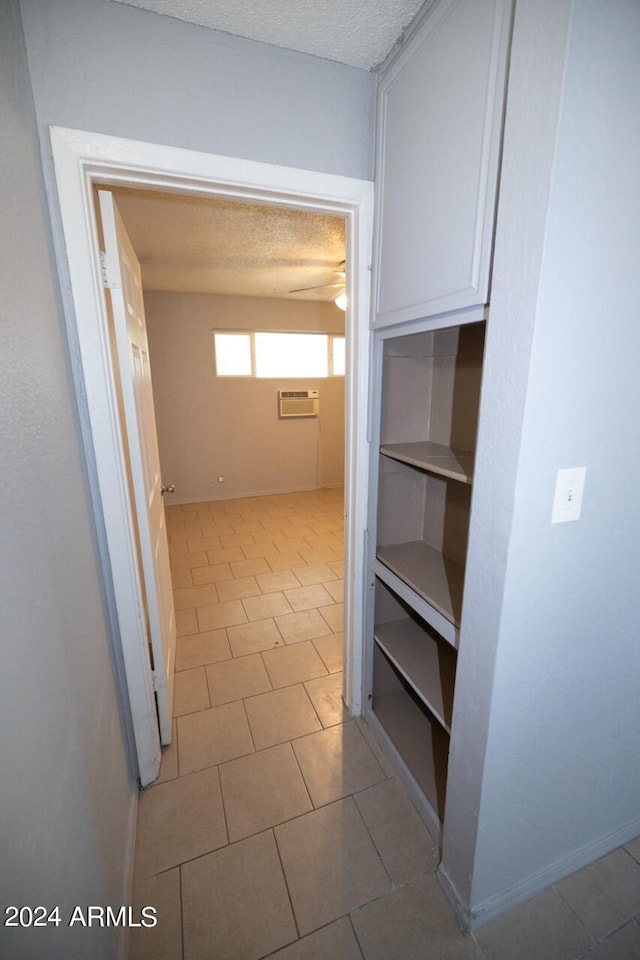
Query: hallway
x,y
276,827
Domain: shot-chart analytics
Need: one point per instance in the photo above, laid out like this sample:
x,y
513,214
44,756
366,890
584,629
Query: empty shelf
x,y
433,457
428,665
422,745
435,577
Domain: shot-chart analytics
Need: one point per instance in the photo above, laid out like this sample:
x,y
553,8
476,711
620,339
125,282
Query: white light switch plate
x,y
567,500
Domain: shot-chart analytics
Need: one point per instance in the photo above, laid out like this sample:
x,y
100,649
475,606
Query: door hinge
x,y
158,680
107,282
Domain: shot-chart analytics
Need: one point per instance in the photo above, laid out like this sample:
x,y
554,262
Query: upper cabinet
x,y
439,133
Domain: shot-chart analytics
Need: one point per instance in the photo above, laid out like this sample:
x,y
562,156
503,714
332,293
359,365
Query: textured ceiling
x,y
202,245
357,32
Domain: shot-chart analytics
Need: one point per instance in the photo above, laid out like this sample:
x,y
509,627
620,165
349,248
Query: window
x,y
279,355
291,355
233,354
338,356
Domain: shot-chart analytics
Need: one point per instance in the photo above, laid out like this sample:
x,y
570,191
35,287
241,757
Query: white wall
x,y
210,426
115,69
67,797
561,782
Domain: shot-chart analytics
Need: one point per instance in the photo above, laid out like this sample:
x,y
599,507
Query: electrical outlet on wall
x,y
567,500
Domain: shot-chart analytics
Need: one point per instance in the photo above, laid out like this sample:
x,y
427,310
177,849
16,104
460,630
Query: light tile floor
x,y
277,828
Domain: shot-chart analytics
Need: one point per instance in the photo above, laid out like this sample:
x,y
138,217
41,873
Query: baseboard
x,y
128,873
179,501
460,908
476,917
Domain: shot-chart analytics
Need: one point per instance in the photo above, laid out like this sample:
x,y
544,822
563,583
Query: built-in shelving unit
x,y
435,214
429,391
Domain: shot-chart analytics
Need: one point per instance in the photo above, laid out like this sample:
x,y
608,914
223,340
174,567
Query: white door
x,y
125,294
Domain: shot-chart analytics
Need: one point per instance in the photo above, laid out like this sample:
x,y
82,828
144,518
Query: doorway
x,y
83,160
240,311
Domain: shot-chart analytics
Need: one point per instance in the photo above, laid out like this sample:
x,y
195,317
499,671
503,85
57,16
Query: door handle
x,y
170,488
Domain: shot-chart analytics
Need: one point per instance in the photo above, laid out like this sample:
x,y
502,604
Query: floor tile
x,y
336,762
238,588
186,622
249,568
212,574
213,736
326,696
323,540
319,555
216,615
190,691
201,543
164,941
542,927
186,814
291,528
334,616
293,664
265,606
331,649
285,561
414,923
336,589
326,526
200,648
306,625
334,942
622,945
320,573
282,512
281,715
224,555
181,578
272,528
275,582
247,526
346,872
290,544
236,679
262,790
189,560
605,894
305,598
253,637
237,539
401,838
263,549
211,529
235,903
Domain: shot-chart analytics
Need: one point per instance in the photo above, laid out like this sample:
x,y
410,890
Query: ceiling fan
x,y
340,298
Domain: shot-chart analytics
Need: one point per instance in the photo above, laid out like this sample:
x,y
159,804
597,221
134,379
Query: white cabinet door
x,y
125,295
439,129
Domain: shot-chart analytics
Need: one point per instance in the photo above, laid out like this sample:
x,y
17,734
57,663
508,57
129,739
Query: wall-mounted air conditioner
x,y
297,403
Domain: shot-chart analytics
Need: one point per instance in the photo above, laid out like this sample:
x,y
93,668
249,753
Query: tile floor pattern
x,y
276,828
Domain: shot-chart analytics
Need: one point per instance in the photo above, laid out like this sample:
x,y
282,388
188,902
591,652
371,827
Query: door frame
x,y
83,159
